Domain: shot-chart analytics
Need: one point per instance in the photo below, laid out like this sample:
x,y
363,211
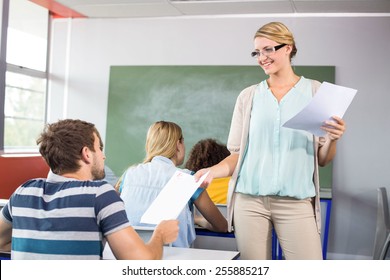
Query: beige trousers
x,y
292,219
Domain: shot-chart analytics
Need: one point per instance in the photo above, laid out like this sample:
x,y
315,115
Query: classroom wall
x,y
83,50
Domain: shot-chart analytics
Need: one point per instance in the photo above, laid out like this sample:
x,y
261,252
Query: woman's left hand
x,y
335,128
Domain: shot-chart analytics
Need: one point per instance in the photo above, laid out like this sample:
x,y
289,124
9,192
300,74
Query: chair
x,y
15,169
382,234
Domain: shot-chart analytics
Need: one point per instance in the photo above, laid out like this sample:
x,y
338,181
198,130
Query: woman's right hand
x,y
207,180
223,169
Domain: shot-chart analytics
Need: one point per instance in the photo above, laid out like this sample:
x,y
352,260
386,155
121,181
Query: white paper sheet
x,y
330,100
172,198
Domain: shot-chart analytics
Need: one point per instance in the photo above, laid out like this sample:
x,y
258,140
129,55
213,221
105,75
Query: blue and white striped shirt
x,y
63,218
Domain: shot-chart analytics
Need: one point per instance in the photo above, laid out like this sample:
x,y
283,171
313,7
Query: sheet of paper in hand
x,y
172,198
329,100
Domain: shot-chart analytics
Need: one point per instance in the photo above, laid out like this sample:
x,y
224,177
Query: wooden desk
x,y
176,253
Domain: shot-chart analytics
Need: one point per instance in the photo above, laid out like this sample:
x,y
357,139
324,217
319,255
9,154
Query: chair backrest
x,y
15,169
382,234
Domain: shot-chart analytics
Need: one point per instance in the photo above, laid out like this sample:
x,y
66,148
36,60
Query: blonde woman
x,y
274,169
141,184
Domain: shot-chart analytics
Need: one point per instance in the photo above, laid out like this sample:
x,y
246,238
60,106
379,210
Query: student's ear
x,y
86,154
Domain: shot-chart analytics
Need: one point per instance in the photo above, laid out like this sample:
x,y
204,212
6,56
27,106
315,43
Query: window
x,y
25,79
24,110
27,35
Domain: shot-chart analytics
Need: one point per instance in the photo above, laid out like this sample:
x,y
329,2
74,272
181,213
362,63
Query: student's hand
x,y
206,181
168,230
335,128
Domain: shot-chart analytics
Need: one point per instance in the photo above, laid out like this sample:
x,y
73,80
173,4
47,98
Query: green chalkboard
x,y
198,98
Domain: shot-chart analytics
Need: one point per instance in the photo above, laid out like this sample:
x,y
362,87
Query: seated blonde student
x,y
72,213
206,153
141,184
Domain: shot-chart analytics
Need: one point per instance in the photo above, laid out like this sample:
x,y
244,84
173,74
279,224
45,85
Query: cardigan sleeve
x,y
237,123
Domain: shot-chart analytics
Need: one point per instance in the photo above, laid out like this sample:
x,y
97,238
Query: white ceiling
x,y
163,8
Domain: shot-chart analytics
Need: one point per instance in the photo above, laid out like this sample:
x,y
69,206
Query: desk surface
x,y
171,253
176,253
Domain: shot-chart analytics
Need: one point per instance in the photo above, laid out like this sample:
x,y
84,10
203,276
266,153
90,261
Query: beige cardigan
x,y
237,143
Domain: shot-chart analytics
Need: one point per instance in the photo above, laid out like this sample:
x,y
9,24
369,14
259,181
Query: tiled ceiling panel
x,y
164,8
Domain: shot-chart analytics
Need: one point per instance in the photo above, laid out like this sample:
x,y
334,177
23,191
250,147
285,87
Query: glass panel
x,y
27,35
25,99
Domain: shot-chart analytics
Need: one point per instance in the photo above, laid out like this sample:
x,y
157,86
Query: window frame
x,y
8,67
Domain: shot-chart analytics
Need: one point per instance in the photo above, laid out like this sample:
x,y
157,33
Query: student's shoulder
x,y
34,182
31,184
139,168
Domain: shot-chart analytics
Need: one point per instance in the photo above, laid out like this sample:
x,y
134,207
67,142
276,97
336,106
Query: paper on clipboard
x,y
329,100
172,198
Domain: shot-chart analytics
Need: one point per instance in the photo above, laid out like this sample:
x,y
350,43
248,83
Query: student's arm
x,y
127,245
223,169
213,218
5,235
335,129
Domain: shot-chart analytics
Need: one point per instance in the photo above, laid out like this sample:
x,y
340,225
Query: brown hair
x,y
61,144
206,153
278,32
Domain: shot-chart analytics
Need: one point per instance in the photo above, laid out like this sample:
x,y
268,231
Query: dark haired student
x,y
72,213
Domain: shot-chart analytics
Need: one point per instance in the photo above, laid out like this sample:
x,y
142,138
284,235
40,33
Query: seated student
x,y
70,215
141,184
206,153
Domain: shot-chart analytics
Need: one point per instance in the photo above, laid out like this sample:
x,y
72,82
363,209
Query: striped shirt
x,y
63,218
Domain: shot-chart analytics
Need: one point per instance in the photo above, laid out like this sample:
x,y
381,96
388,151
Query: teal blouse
x,y
278,160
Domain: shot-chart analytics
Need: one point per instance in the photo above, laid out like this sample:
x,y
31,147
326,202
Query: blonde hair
x,y
161,140
278,32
